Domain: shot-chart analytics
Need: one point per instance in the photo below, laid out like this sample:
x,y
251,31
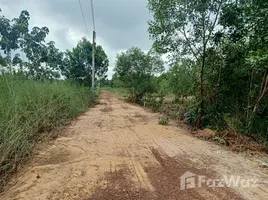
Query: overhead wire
x,y
93,49
93,43
84,19
93,15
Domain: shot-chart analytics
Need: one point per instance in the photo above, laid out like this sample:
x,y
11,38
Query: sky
x,y
120,24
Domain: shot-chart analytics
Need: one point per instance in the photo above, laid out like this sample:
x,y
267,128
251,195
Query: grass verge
x,y
29,110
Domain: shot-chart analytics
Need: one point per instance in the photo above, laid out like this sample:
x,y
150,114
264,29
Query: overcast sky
x,y
120,24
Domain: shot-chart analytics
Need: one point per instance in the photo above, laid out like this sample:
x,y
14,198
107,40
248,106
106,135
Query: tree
x,y
2,61
53,57
17,60
116,82
136,69
162,84
43,60
11,34
34,45
184,27
54,60
248,34
35,49
181,78
79,63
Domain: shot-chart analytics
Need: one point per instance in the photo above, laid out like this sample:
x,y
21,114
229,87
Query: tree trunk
x,y
263,81
264,92
250,88
9,60
219,78
199,121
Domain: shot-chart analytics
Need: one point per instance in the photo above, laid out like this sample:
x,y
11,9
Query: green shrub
x,y
164,120
28,110
191,116
255,127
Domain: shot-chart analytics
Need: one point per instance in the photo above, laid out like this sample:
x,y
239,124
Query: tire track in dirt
x,y
118,151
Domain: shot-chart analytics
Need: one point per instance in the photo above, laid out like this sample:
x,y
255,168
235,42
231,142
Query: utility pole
x,y
93,65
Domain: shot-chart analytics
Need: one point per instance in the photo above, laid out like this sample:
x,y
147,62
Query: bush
x,y
163,120
30,109
153,102
191,116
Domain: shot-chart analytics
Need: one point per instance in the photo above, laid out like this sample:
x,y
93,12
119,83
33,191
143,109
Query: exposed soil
x,y
118,151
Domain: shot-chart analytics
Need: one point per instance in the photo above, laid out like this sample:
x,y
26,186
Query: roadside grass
x,y
29,110
163,120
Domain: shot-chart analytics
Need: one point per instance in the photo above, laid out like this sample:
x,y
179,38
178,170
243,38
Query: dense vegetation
x,y
29,110
41,87
218,53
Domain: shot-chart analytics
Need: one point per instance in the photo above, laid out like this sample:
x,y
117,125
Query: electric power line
x,y
83,17
93,43
93,15
93,50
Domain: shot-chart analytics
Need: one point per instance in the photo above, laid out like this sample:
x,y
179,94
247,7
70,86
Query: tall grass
x,y
28,111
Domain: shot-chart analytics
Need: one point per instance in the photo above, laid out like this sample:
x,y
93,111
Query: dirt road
x,y
118,151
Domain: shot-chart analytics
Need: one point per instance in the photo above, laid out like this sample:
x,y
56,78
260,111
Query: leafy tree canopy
x,y
79,62
136,68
